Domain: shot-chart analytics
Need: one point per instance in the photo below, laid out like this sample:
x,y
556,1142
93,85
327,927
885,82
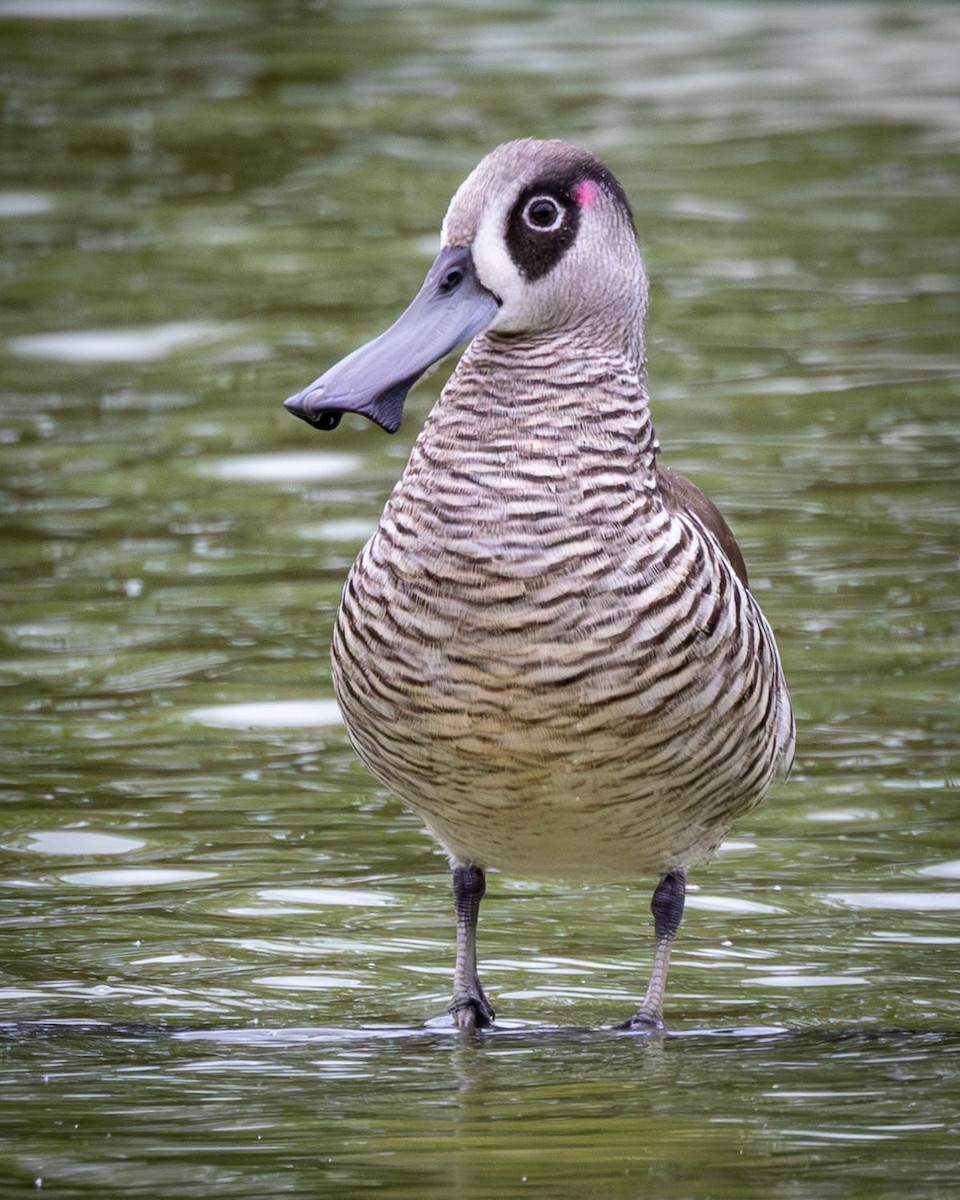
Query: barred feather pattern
x,y
559,675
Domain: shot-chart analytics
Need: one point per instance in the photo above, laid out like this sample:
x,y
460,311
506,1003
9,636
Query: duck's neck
x,y
560,396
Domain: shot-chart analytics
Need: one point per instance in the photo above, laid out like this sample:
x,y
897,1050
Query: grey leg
x,y
667,908
470,1008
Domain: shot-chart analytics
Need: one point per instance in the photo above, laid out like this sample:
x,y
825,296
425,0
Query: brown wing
x,y
680,495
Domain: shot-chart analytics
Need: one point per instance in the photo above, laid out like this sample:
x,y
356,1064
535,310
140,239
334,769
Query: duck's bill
x,y
374,380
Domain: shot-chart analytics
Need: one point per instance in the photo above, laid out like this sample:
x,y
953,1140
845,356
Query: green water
x,y
219,939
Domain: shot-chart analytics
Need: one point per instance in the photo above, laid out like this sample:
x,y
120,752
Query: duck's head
x,y
537,241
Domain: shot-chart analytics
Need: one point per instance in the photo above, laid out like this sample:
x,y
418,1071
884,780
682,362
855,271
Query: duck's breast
x,y
554,685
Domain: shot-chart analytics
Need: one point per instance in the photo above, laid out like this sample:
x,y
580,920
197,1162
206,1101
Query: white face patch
x,y
477,217
496,270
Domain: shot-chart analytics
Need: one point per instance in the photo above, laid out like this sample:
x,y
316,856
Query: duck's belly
x,y
573,741
563,819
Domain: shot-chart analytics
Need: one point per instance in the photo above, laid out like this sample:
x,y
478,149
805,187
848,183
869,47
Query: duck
x,y
548,649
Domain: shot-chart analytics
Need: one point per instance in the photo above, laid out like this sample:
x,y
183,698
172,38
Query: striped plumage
x,y
548,648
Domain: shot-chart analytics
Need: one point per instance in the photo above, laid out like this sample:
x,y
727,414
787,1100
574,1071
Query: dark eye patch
x,y
536,251
535,240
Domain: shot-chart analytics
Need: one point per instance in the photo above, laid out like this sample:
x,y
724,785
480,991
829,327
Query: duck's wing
x,y
682,496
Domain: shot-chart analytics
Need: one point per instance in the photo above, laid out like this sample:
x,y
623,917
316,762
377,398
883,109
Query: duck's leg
x,y
470,1008
667,909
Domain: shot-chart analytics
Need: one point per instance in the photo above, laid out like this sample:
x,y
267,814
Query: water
x,y
220,939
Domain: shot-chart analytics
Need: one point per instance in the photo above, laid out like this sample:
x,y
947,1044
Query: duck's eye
x,y
543,213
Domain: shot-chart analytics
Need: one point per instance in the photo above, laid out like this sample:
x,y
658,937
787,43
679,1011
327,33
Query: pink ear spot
x,y
585,193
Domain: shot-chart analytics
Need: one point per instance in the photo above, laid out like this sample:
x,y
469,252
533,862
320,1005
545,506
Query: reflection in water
x,y
80,843
133,877
516,1108
270,714
277,468
114,345
222,941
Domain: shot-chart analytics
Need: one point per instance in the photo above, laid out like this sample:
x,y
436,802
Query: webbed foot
x,y
643,1021
471,1012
